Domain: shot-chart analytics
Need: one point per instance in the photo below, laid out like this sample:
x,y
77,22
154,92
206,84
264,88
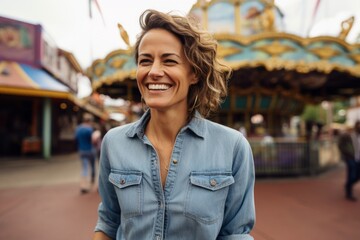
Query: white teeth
x,y
158,87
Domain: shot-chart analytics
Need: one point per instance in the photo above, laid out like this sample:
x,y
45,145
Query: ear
x,y
194,79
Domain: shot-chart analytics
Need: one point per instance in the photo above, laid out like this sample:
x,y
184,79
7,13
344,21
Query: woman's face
x,y
163,73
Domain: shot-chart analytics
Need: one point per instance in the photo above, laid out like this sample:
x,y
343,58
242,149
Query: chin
x,y
153,105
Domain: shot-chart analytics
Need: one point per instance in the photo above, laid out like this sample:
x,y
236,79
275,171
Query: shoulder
x,y
119,131
213,127
232,144
225,134
124,132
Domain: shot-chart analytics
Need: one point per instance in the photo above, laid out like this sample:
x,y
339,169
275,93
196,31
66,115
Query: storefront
x,y
33,107
38,87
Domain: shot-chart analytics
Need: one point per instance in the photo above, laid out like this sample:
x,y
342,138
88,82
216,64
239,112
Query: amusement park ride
x,y
274,73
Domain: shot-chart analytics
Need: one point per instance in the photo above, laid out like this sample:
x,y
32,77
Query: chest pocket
x,y
206,195
129,192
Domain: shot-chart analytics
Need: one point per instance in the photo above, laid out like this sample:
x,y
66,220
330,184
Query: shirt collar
x,y
196,125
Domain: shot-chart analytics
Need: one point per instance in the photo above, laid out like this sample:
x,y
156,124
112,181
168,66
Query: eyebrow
x,y
163,55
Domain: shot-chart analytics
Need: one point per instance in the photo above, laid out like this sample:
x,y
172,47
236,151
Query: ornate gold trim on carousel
x,y
224,51
275,48
117,63
325,52
275,63
355,57
127,52
246,40
118,76
99,70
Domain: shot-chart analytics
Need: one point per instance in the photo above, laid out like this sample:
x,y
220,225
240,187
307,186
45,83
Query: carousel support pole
x,y
205,16
46,136
329,120
237,18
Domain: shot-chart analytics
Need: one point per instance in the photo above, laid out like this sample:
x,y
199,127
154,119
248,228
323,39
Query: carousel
x,y
275,74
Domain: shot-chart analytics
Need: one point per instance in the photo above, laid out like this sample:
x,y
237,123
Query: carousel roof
x,y
309,69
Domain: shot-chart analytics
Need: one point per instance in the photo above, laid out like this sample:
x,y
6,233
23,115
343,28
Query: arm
x,y
101,236
109,209
239,216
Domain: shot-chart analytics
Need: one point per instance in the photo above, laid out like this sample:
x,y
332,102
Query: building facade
x,y
39,107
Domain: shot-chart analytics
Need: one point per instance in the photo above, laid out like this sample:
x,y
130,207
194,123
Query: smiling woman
x,y
164,75
174,174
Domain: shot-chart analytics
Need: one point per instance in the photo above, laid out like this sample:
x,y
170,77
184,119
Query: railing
x,y
279,157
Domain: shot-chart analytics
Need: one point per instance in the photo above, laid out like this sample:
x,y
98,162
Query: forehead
x,y
162,38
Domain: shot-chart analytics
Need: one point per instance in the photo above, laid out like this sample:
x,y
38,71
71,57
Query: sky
x,y
298,17
69,25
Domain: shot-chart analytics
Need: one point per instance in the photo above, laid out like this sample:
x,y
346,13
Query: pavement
x,y
40,199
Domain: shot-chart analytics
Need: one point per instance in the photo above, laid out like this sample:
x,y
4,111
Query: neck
x,y
164,126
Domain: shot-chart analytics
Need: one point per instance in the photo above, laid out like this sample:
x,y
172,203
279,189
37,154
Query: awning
x,y
25,80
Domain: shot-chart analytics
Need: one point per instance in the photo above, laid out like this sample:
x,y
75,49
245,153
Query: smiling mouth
x,y
158,87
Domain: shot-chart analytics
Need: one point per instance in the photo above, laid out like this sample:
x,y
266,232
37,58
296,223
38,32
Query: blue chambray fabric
x,y
208,194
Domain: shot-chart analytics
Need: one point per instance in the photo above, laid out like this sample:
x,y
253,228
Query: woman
x,y
174,174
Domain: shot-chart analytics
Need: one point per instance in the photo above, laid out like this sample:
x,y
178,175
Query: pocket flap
x,y
123,180
211,181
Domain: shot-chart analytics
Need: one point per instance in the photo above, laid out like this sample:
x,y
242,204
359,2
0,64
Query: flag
x,y
315,9
90,12
98,8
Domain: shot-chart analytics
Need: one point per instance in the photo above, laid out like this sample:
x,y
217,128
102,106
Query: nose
x,y
156,70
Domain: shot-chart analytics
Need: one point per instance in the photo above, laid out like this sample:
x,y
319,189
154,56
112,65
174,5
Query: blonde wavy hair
x,y
200,50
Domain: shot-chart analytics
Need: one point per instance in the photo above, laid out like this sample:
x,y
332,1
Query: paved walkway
x,y
40,200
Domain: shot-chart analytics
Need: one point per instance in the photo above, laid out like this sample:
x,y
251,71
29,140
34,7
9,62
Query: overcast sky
x,y
69,24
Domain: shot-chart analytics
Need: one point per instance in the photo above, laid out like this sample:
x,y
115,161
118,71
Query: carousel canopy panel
x,y
268,64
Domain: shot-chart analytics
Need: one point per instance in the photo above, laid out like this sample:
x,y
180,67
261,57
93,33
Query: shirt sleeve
x,y
109,209
239,216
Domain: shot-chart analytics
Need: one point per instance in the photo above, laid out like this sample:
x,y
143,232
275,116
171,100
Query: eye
x,y
144,62
170,62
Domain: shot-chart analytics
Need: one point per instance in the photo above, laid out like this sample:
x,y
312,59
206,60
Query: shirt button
x,y
122,181
213,182
175,161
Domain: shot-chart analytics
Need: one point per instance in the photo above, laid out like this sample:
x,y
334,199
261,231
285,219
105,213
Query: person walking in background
x,y
174,174
83,135
349,146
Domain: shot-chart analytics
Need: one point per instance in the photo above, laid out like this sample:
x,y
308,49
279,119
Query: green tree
x,y
314,113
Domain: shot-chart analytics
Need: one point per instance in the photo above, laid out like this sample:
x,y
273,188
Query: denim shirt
x,y
208,193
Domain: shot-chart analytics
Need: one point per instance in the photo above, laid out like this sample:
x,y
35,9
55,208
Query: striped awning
x,y
22,79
